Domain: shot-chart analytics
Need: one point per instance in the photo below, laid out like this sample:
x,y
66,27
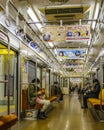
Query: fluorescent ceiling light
x,y
24,51
86,51
93,25
89,42
60,6
101,53
34,18
60,59
95,15
30,54
55,51
51,44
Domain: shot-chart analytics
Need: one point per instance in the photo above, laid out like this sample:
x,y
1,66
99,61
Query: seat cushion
x,y
93,99
7,121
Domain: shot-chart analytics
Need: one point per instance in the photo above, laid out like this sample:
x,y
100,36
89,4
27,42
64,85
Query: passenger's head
x,y
43,90
39,93
36,81
95,81
61,53
55,82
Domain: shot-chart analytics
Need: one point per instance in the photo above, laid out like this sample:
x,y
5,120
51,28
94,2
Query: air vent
x,y
58,1
22,0
64,11
64,17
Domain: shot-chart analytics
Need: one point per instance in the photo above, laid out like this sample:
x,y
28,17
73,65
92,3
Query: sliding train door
x,y
5,102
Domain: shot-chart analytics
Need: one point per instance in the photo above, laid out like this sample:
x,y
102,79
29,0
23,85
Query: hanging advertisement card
x,y
71,54
78,33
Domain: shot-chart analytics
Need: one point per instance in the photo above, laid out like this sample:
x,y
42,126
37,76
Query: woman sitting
x,y
41,100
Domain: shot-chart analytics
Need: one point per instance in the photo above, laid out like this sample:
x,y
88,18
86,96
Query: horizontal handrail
x,y
3,81
27,83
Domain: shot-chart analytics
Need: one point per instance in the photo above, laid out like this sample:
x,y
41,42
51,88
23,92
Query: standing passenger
x,y
58,91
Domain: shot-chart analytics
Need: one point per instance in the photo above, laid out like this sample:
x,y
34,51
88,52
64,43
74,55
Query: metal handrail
x,y
3,81
27,83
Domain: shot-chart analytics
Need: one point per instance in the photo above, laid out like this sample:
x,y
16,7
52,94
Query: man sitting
x,y
91,93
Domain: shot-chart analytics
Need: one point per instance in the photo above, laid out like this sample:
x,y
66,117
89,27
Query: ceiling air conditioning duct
x,y
74,10
59,1
22,0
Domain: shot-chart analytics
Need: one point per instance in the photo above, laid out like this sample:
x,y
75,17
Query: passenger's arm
x,y
96,88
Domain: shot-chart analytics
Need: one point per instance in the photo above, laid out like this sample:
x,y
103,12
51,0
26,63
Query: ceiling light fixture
x,y
89,42
51,44
34,18
95,16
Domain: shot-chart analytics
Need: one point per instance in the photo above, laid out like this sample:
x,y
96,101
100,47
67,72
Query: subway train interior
x,y
51,63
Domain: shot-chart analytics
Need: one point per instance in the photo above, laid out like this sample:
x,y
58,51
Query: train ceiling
x,y
69,12
64,13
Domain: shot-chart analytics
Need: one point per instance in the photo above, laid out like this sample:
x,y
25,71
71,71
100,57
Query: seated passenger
x,y
91,93
37,96
33,88
86,88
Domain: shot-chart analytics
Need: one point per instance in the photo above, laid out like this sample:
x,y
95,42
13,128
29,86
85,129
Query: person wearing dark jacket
x,y
92,93
36,96
58,90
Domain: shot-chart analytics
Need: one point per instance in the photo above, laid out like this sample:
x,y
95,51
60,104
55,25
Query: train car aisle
x,y
67,115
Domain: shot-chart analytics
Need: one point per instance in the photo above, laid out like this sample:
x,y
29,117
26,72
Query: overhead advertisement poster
x,y
71,54
54,33
73,67
75,80
78,33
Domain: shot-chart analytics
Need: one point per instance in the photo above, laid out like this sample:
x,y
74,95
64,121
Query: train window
x,y
31,71
39,74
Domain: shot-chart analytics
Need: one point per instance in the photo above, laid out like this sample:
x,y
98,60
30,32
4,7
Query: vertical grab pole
x,y
82,80
101,82
9,77
7,14
91,78
36,74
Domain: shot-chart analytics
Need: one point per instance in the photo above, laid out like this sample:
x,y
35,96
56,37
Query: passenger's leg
x,y
84,102
61,97
45,103
85,97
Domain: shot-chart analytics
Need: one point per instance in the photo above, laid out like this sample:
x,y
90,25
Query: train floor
x,y
67,115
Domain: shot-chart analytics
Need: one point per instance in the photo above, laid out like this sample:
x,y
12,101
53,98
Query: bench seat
x,y
93,100
97,100
96,105
7,121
